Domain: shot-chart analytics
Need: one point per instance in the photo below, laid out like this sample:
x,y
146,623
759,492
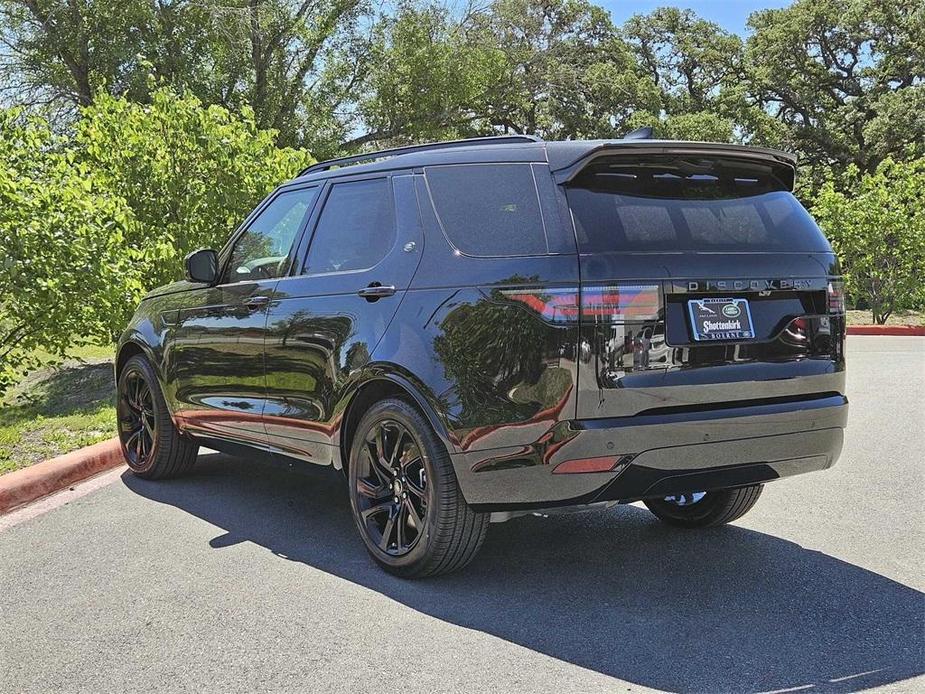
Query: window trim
x,y
536,191
225,254
300,258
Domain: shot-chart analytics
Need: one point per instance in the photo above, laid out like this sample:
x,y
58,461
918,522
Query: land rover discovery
x,y
478,329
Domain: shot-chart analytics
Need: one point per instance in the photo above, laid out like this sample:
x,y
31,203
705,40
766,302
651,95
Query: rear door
x,y
328,316
704,284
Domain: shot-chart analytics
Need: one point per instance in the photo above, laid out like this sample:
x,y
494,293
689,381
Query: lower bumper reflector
x,y
603,464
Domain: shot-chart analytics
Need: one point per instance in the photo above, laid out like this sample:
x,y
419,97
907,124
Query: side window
x,y
261,251
356,228
489,209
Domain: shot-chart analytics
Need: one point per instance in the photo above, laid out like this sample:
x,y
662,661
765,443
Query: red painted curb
x,y
34,482
886,329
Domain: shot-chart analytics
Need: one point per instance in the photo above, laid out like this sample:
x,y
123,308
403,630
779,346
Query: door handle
x,y
256,302
376,291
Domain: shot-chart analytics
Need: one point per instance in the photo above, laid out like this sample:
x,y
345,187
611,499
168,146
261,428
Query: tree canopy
x,y
840,81
90,220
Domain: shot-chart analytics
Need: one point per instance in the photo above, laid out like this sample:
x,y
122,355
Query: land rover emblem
x,y
731,310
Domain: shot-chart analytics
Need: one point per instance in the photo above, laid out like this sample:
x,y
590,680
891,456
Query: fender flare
x,y
426,402
135,340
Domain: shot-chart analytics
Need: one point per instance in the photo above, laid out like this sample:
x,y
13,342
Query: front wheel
x,y
705,509
151,444
405,497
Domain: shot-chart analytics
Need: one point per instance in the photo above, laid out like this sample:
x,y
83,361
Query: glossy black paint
x,y
276,365
321,335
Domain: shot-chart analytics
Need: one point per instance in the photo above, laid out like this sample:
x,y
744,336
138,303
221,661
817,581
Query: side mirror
x,y
202,266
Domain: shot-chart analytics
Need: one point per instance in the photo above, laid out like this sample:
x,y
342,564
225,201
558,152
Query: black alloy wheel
x,y
137,420
151,444
393,495
405,497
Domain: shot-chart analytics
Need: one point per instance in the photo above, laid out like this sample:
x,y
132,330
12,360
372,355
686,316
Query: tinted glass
x,y
489,209
261,252
356,228
695,204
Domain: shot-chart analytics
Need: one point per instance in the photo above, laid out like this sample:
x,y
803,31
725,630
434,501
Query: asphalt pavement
x,y
249,576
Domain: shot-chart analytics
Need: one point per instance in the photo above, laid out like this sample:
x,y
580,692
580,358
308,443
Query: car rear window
x,y
488,209
670,203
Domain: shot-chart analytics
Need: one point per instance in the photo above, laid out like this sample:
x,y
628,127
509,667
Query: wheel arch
x,y
131,346
379,386
127,351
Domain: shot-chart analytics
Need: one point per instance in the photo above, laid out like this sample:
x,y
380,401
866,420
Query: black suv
x,y
479,329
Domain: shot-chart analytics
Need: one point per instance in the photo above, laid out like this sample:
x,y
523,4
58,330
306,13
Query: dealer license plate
x,y
720,318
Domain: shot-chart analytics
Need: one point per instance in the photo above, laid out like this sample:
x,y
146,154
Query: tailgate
x,y
704,285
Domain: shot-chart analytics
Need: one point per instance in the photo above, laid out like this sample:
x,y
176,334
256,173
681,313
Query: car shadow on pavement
x,y
724,610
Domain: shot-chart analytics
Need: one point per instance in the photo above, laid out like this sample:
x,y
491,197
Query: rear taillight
x,y
835,291
611,303
619,303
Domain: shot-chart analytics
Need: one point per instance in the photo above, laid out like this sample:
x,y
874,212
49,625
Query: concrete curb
x,y
31,483
886,329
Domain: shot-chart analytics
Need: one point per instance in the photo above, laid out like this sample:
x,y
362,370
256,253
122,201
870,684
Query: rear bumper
x,y
657,455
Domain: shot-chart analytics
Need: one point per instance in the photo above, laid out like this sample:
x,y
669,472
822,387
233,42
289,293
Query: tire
x,y
714,508
405,498
151,444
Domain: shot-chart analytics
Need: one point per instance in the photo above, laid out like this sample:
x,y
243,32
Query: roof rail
x,y
396,151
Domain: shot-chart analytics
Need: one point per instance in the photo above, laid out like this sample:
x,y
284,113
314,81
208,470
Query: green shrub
x,y
90,221
189,173
876,223
64,270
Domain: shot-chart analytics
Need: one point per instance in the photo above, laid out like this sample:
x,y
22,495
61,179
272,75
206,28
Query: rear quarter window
x,y
672,203
488,209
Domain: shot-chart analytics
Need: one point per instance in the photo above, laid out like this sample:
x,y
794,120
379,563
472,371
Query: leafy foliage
x,y
91,221
189,174
840,74
64,269
294,63
877,227
841,81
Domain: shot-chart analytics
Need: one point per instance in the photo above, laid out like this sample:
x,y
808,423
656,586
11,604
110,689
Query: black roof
x,y
565,158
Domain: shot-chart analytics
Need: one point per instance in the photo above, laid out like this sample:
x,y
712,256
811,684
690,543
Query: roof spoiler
x,y
643,133
786,162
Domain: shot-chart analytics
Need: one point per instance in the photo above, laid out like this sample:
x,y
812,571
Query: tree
x,y
565,72
190,174
64,270
427,80
836,72
554,68
700,74
876,223
63,52
300,68
294,63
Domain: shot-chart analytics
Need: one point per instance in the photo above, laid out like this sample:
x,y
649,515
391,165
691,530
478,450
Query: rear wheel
x,y
151,444
405,498
705,509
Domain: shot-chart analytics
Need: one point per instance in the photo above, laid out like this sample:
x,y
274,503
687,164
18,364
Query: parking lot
x,y
250,576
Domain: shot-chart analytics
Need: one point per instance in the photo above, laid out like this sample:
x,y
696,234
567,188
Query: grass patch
x,y
58,409
898,318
